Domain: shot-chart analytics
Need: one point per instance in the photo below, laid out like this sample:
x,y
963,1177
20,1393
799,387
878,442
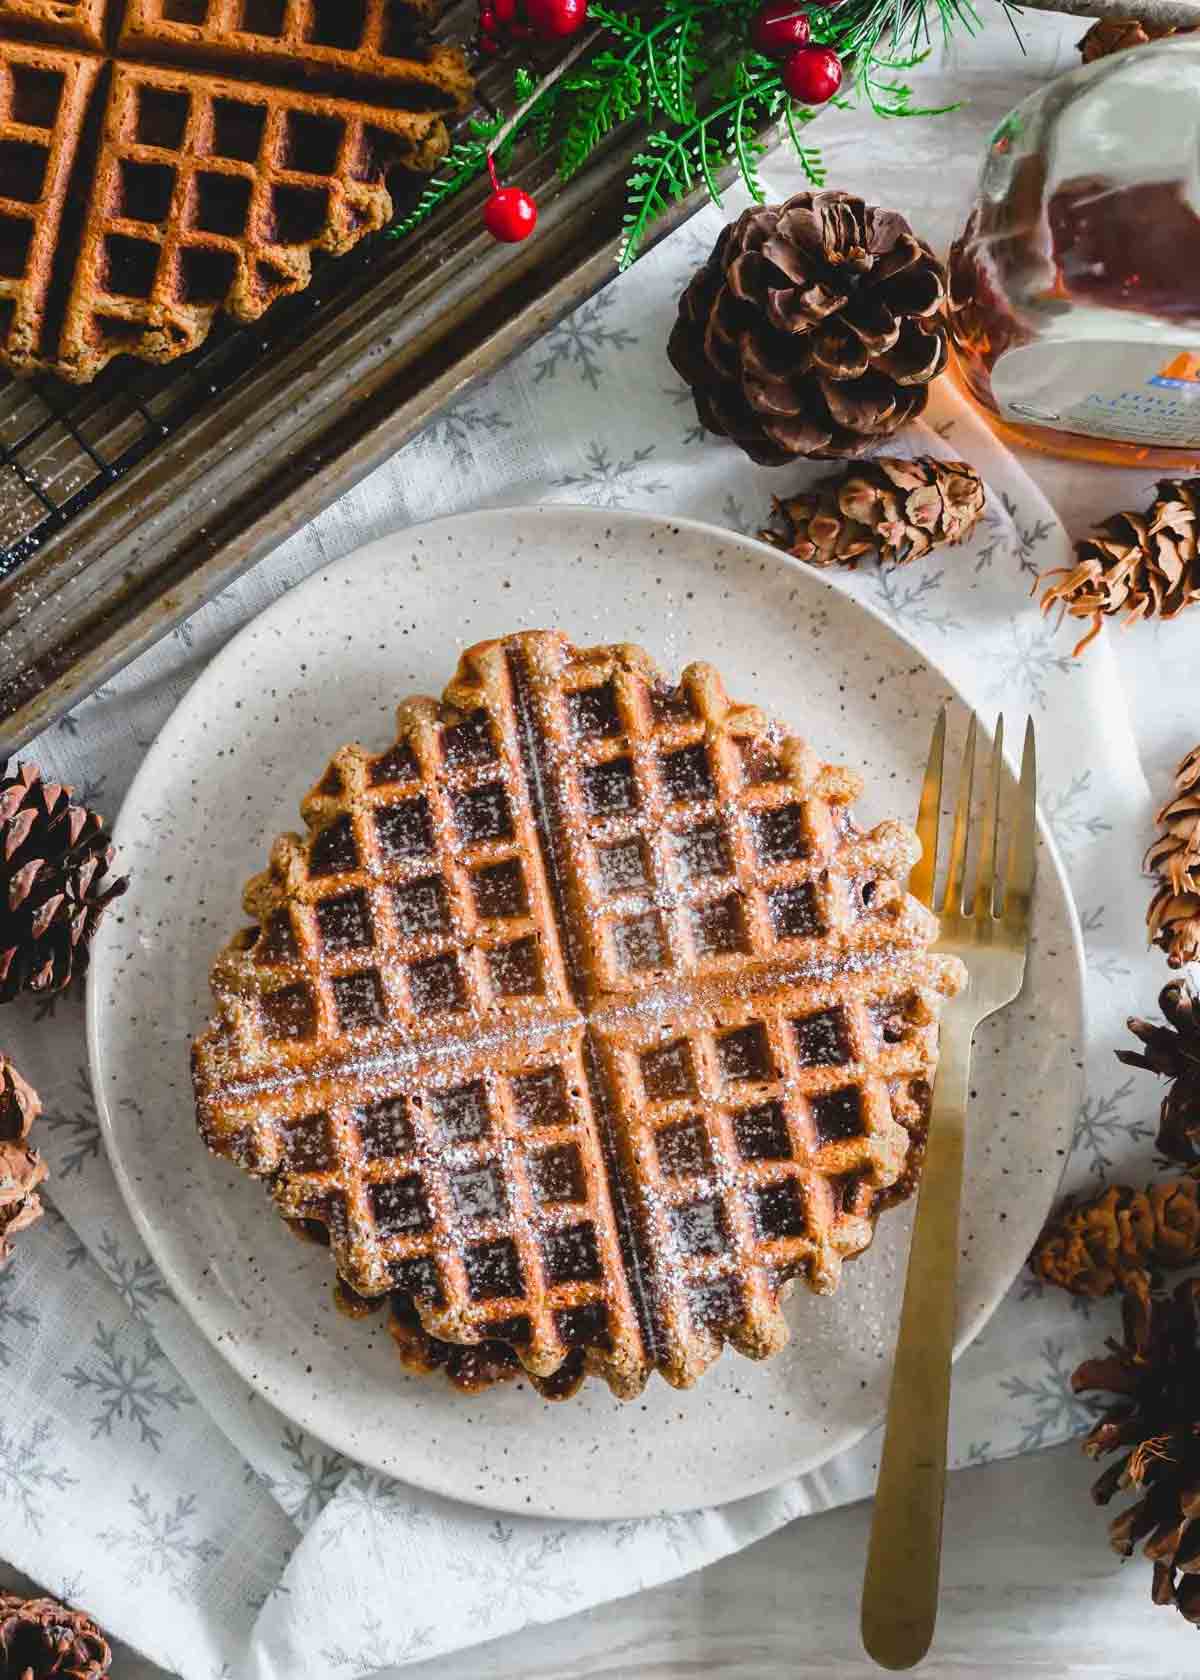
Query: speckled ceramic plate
x,y
327,664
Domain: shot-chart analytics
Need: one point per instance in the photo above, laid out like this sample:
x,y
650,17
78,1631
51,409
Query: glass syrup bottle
x,y
1075,285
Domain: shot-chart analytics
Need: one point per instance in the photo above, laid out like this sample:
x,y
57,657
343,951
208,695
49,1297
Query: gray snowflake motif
x,y
379,1649
135,1277
367,1500
1069,825
693,247
77,1126
907,597
12,1317
679,395
316,1476
675,1529
76,1250
516,1577
462,425
128,1387
26,1476
91,791
581,341
1056,1411
70,1589
733,514
1029,537
162,1545
1106,964
978,1452
1033,1288
610,483
997,530
1100,1121
185,634
1029,661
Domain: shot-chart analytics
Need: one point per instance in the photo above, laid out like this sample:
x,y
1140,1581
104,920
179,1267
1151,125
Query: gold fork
x,y
989,929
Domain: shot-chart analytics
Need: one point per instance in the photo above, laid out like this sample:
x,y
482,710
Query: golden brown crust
x,y
207,191
674,978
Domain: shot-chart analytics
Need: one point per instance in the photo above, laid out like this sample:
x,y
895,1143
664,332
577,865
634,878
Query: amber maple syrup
x,y
1075,285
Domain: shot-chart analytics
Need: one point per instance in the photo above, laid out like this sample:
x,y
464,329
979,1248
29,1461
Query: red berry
x,y
552,19
510,215
779,28
487,20
813,74
505,10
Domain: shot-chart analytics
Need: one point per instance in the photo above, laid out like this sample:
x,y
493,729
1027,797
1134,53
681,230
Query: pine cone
x,y
40,1638
21,1168
1142,565
1173,1050
1174,914
892,509
814,328
1109,1241
54,856
1155,1425
1116,34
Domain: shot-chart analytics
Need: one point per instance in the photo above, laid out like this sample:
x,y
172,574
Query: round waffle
x,y
583,1017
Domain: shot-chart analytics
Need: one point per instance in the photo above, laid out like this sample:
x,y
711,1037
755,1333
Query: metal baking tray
x,y
126,505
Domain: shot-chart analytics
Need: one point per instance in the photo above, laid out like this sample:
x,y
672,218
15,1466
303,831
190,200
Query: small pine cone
x,y
1154,1423
21,1168
1117,34
892,509
1140,565
40,1638
1174,914
1098,1246
54,857
1172,1049
814,328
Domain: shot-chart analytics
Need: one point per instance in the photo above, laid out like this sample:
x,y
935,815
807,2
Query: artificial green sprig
x,y
686,69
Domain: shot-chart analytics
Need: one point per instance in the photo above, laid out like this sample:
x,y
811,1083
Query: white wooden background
x,y
1030,1586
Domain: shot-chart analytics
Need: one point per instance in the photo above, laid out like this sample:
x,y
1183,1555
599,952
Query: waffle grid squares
x,y
203,192
198,204
77,22
368,41
748,1118
734,1167
496,1223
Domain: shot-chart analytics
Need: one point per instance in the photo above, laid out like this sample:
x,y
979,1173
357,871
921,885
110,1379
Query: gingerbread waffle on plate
x,y
583,1017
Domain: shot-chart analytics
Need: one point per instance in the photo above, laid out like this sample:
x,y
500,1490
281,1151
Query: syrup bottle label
x,y
1146,393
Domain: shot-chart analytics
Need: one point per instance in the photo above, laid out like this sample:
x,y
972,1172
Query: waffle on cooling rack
x,y
200,166
583,1017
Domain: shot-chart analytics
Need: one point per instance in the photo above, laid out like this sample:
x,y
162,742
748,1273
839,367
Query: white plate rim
x,y
196,1307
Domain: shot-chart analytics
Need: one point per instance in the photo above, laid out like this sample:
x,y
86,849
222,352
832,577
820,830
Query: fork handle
x,y
900,1590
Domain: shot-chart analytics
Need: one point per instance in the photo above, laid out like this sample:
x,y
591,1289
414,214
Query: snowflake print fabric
x,y
138,1475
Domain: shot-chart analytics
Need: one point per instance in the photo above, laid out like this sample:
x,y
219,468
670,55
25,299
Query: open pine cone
x,y
1174,914
814,328
40,1639
1141,565
54,859
1154,1373
21,1168
894,510
1120,1238
1173,1050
